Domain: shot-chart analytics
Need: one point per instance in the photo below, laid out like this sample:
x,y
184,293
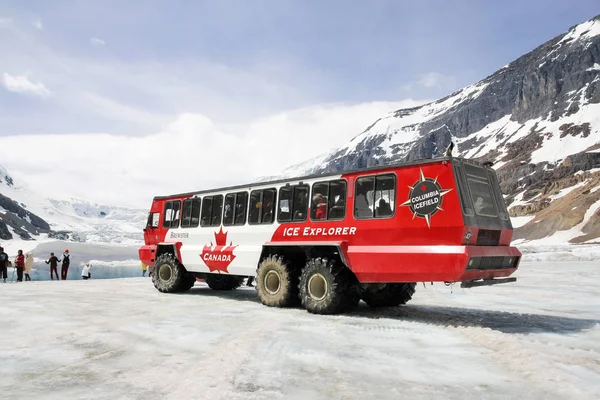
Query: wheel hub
x,y
317,287
272,282
165,272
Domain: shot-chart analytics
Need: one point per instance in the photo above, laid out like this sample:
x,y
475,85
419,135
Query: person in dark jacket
x,y
3,264
66,261
20,265
53,261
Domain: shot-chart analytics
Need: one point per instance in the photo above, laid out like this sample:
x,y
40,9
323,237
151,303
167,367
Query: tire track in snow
x,y
215,375
520,354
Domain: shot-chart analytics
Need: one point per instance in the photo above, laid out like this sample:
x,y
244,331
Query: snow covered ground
x,y
111,339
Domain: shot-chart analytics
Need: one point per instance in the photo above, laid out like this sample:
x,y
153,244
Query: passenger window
x,y
176,214
196,205
168,214
300,203
206,215
262,206
328,200
187,213
375,196
255,204
363,197
235,209
284,210
385,190
318,207
228,211
241,204
337,200
268,206
217,210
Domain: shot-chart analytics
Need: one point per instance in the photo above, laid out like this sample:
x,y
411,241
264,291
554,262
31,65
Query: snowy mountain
x,y
537,119
26,215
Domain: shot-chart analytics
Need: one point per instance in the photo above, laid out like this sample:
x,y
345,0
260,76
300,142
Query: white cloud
x,y
21,84
97,42
37,24
436,80
191,153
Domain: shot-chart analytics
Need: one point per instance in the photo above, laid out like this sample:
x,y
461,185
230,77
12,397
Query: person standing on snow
x,y
20,265
66,261
3,265
85,272
53,261
28,266
143,269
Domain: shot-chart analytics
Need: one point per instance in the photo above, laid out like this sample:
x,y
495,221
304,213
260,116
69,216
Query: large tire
x,y
168,274
188,282
277,283
390,295
327,287
223,282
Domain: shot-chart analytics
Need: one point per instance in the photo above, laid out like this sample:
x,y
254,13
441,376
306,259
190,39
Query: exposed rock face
x,y
537,119
23,222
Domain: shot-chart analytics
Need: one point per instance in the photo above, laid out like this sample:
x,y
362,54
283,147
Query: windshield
x,y
480,195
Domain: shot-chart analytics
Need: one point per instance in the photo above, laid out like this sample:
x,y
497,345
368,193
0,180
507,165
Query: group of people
x,y
64,270
24,263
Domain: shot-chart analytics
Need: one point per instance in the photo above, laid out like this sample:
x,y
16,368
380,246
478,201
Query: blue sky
x,y
137,68
243,59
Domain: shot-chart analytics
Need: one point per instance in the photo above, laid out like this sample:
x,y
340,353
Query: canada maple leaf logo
x,y
217,257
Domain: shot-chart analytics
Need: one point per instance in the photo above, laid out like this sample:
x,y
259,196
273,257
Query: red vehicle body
x,y
438,220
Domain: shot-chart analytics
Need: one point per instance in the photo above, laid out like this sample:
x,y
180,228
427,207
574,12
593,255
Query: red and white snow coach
x,y
328,241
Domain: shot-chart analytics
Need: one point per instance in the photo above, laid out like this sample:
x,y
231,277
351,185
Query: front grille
x,y
495,262
487,237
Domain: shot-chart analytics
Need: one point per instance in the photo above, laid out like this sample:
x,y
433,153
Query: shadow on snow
x,y
503,321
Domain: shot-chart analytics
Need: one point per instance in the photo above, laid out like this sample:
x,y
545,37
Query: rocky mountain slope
x,y
537,119
25,215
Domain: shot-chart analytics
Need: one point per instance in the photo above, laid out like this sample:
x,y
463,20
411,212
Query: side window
x,y
363,197
268,206
262,206
300,203
186,212
255,203
212,207
176,214
385,196
153,220
228,210
168,214
328,200
375,196
337,200
217,210
235,209
241,205
195,217
284,209
318,206
172,211
206,214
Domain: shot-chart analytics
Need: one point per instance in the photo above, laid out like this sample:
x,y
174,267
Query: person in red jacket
x,y
320,205
20,265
